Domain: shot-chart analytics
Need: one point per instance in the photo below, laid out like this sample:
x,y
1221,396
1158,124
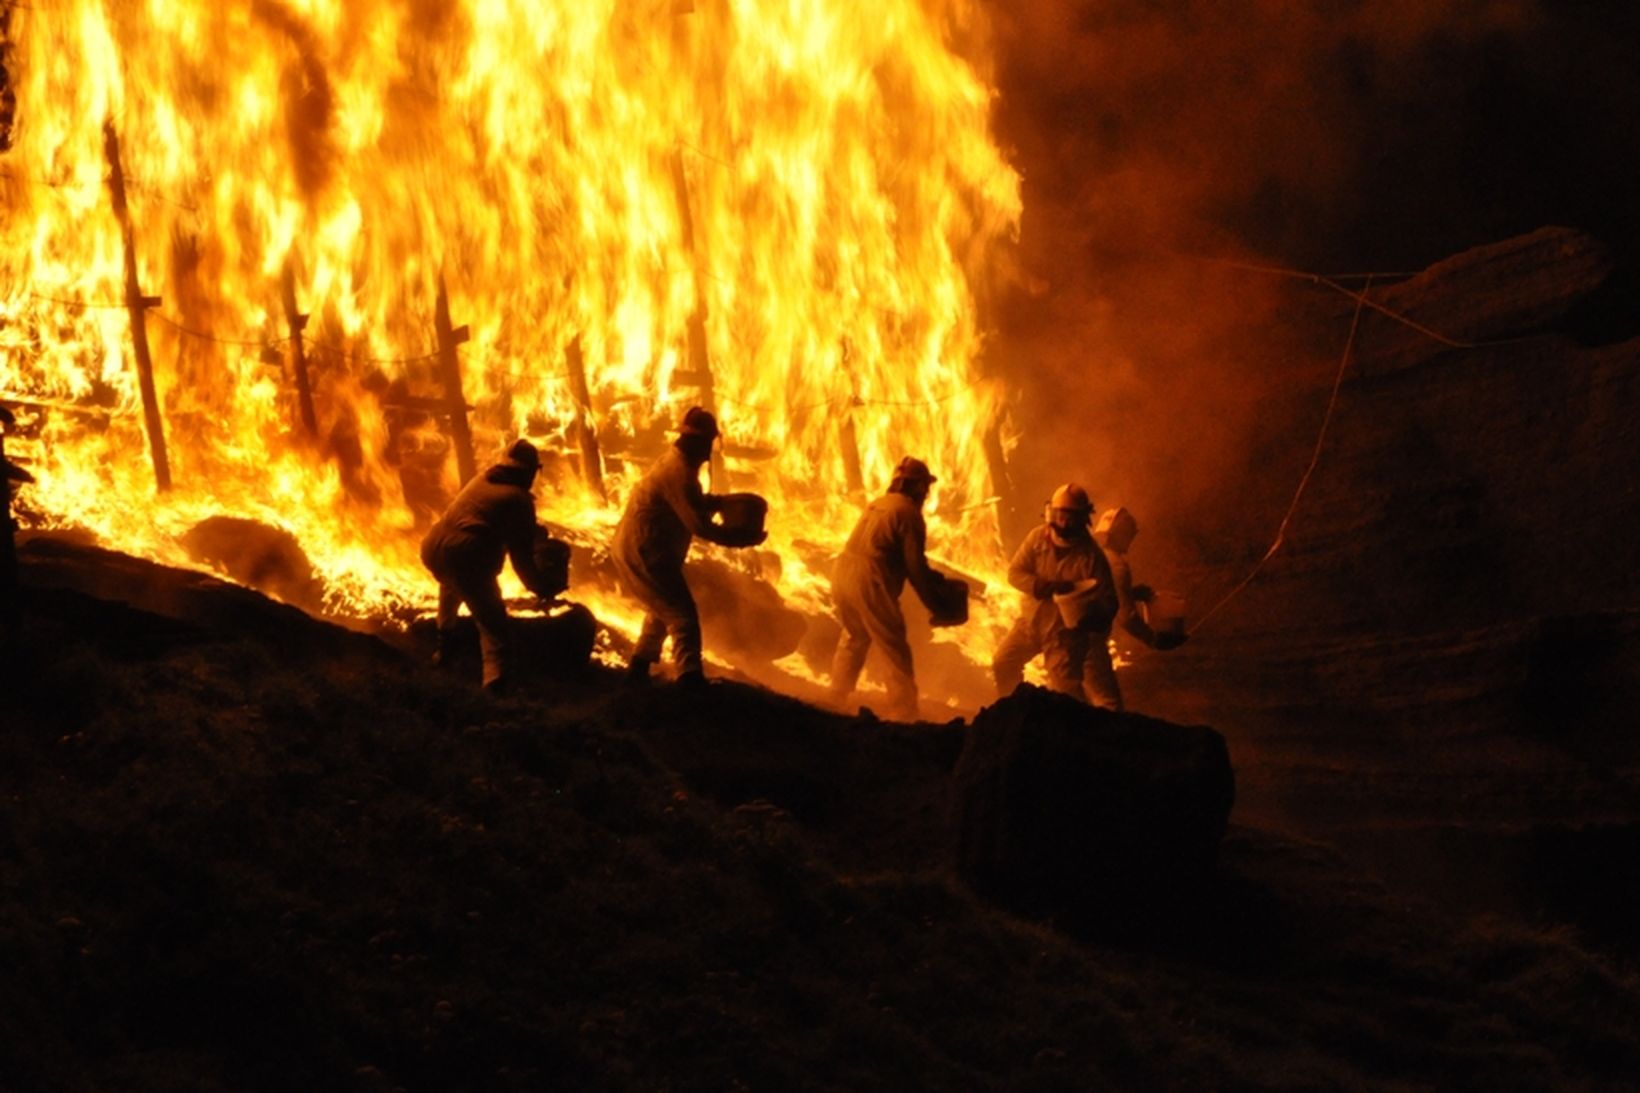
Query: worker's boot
x,y
692,682
637,669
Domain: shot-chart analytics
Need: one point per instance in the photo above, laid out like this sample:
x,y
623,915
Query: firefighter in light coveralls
x,y
665,512
1114,533
1058,557
885,551
490,520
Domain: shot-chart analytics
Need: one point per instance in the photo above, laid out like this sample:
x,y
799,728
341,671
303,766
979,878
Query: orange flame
x,y
809,186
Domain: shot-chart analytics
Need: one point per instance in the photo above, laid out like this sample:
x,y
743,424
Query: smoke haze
x,y
1329,136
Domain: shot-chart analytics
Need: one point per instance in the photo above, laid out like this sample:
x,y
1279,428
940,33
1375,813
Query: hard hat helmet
x,y
699,422
912,470
522,454
1073,497
1116,527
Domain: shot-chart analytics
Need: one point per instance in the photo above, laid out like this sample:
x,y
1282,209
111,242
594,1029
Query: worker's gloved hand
x,y
1143,593
1168,639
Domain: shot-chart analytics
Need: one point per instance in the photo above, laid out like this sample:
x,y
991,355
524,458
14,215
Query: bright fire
x,y
783,210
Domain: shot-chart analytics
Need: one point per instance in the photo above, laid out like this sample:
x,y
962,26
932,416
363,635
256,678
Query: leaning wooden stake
x,y
700,364
450,370
592,461
298,353
138,304
847,439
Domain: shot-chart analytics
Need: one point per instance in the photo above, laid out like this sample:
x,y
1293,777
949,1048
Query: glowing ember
x,y
782,210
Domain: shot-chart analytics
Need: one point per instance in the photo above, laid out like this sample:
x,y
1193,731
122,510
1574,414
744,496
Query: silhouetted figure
x,y
1063,573
666,510
886,549
490,520
9,473
1114,533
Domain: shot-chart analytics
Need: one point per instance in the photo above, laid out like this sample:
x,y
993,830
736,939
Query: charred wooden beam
x,y
298,352
592,463
455,405
138,304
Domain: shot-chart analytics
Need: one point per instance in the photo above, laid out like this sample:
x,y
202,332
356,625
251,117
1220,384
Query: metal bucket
x,y
743,513
951,608
1166,612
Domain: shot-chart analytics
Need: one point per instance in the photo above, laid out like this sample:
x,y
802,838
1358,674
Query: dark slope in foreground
x,y
279,856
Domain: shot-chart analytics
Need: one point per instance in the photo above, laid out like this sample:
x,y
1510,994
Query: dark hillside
x,y
268,854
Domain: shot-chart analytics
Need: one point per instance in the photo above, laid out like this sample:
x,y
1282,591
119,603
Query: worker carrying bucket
x,y
666,510
886,551
1070,602
1155,618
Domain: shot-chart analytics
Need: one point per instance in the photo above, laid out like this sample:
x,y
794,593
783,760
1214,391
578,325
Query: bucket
x,y
951,603
1165,612
743,512
1079,606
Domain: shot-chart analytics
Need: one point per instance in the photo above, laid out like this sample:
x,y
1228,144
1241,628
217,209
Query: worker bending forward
x,y
490,520
886,549
666,511
1058,557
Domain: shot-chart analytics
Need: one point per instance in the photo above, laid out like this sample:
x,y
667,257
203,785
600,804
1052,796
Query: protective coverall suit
x,y
886,549
1077,660
490,520
666,511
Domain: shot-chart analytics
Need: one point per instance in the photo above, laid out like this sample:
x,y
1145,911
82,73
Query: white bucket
x,y
1077,605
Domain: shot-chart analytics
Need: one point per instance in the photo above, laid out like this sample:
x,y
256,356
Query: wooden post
x,y
138,304
1009,522
592,461
298,352
700,364
455,403
847,439
850,444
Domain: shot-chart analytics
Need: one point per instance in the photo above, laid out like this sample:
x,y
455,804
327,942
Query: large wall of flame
x,y
844,195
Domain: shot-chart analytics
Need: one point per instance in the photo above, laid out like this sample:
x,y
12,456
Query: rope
x,y
203,336
1360,298
1315,458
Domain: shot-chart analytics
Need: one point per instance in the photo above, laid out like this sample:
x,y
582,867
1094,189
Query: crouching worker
x,y
886,549
665,512
490,520
1114,533
1060,558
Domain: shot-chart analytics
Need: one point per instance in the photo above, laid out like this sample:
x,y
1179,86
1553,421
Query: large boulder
x,y
1063,808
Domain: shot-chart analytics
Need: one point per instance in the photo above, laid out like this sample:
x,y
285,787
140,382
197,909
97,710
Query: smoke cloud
x,y
1157,139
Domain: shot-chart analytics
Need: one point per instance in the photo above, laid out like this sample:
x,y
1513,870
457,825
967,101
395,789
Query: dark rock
x,y
1063,808
1489,294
